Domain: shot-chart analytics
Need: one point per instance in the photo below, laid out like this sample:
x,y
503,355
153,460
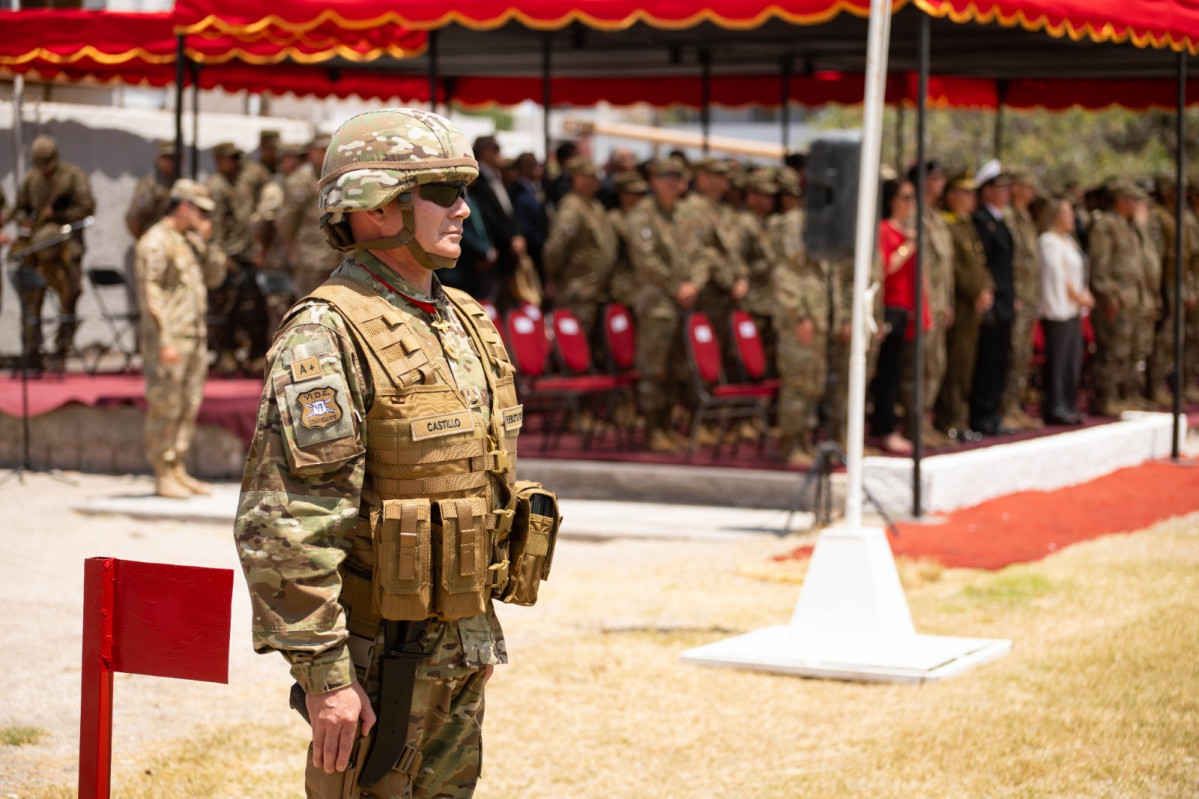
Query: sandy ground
x,y
46,541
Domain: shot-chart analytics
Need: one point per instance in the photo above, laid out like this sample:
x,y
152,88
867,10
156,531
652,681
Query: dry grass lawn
x,y
1100,697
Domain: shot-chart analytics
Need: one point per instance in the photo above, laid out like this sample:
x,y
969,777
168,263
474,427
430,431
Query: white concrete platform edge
x,y
962,479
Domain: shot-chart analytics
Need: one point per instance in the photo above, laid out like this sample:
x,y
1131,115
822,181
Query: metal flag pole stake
x,y
851,620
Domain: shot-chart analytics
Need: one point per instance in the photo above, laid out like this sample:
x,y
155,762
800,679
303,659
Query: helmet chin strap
x,y
405,238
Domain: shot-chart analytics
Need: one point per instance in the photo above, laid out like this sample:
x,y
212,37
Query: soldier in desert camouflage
x,y
385,449
174,267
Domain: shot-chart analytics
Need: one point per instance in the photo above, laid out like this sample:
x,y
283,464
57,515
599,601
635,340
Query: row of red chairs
x,y
581,383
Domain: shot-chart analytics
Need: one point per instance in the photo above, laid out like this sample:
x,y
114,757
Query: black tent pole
x,y
705,112
180,78
785,103
1180,197
916,413
545,94
195,148
1000,97
433,71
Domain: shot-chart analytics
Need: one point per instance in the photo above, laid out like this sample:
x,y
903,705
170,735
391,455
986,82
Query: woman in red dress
x,y
897,248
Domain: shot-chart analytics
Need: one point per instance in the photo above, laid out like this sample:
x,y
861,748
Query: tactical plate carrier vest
x,y
435,528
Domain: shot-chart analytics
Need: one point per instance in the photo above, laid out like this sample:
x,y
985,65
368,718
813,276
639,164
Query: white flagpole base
x,y
851,623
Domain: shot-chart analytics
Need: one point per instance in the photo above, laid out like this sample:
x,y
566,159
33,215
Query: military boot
x,y
190,483
166,484
659,440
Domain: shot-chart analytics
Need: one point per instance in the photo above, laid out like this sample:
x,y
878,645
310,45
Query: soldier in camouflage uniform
x,y
174,266
1026,274
238,302
1149,314
389,406
668,285
1118,284
256,174
711,240
629,188
938,271
52,194
151,195
309,257
265,225
579,254
5,239
801,320
1190,301
1163,231
973,291
760,258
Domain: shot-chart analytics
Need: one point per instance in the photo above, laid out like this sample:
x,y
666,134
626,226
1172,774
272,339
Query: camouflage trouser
x,y
952,410
1113,368
802,370
63,276
935,362
1020,359
660,355
173,396
446,724
1190,347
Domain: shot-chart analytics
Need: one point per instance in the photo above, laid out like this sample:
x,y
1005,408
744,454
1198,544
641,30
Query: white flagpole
x,y
878,41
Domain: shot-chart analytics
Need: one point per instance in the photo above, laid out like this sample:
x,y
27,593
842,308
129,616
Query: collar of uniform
x,y
377,272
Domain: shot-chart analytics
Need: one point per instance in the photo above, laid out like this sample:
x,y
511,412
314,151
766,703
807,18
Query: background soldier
x,y
151,195
801,319
52,194
241,335
628,188
1164,233
1149,312
667,288
759,255
580,252
938,269
1118,283
973,292
1026,272
173,267
255,174
309,256
710,236
1190,303
351,496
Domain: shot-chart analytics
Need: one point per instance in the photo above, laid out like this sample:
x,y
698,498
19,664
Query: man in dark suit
x,y
489,198
995,337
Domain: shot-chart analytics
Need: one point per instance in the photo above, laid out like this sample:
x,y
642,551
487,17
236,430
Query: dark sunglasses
x,y
444,194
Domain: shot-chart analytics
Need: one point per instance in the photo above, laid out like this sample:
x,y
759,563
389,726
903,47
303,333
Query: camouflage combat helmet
x,y
379,157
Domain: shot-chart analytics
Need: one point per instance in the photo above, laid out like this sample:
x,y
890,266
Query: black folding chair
x,y
110,286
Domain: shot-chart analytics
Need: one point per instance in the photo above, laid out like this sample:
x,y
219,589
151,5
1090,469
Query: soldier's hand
x,y
985,299
46,214
687,294
335,717
740,289
204,228
5,239
1111,309
947,318
518,245
168,355
806,332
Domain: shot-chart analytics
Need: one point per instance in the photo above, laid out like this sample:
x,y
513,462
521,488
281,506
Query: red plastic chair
x,y
728,401
748,350
620,340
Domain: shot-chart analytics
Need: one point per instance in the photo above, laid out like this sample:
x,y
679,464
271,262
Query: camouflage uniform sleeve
x,y
212,259
23,210
648,264
149,265
567,225
81,203
300,497
141,206
1099,254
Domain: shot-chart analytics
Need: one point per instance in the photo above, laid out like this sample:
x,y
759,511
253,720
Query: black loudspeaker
x,y
832,196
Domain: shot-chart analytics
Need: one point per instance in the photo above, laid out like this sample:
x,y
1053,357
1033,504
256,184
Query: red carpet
x,y
1030,525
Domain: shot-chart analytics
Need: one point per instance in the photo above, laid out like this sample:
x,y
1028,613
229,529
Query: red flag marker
x,y
144,618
